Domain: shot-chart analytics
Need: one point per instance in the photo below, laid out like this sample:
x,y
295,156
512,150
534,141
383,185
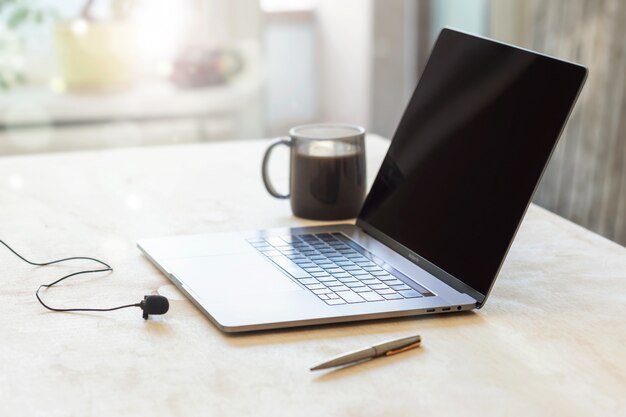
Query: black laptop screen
x,y
469,152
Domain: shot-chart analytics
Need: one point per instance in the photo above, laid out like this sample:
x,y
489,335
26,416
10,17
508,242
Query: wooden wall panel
x,y
586,179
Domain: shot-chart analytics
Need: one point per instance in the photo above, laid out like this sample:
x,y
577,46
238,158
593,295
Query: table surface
x,y
551,339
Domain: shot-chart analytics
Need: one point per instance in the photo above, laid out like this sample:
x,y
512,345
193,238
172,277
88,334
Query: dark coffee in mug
x,y
327,179
327,187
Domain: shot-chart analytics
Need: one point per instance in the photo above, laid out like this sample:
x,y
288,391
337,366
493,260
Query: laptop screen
x,y
469,152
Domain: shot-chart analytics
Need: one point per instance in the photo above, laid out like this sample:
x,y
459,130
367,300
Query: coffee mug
x,y
327,179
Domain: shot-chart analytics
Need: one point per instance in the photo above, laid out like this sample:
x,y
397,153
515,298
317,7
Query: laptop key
x,y
350,296
307,281
316,286
378,286
401,287
372,268
410,294
361,289
328,251
354,284
320,274
335,301
342,275
332,295
371,296
333,283
392,281
322,291
384,291
387,278
394,296
340,288
324,236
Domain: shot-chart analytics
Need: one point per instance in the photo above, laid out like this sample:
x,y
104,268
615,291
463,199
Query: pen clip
x,y
404,349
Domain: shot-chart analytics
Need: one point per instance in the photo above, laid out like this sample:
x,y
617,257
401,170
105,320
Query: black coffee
x,y
327,187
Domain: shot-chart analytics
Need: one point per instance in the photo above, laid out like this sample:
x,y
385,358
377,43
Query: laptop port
x,y
446,309
430,310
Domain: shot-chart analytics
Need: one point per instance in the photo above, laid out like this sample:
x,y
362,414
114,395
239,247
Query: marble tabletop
x,y
551,340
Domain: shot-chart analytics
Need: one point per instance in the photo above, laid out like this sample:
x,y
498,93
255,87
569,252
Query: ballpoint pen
x,y
388,348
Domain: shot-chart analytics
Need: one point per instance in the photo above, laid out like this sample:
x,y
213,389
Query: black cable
x,y
106,268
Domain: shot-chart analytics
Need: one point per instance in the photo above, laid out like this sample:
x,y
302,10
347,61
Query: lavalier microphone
x,y
154,304
151,304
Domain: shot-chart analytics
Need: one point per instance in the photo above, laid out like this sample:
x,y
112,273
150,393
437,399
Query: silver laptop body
x,y
435,227
241,289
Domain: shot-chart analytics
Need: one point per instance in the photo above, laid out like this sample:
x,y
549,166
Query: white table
x,y
550,341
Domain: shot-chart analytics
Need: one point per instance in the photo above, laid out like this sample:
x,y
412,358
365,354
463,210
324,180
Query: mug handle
x,y
285,140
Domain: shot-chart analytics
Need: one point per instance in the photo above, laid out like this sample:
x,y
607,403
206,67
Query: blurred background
x,y
92,74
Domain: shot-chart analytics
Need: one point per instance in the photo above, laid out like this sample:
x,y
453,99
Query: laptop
x,y
439,218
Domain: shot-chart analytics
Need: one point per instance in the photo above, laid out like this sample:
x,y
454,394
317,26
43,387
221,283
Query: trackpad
x,y
211,276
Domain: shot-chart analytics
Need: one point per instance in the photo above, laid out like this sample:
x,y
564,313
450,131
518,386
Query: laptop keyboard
x,y
333,270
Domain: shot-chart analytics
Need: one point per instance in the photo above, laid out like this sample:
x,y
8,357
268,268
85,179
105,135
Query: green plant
x,y
16,15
